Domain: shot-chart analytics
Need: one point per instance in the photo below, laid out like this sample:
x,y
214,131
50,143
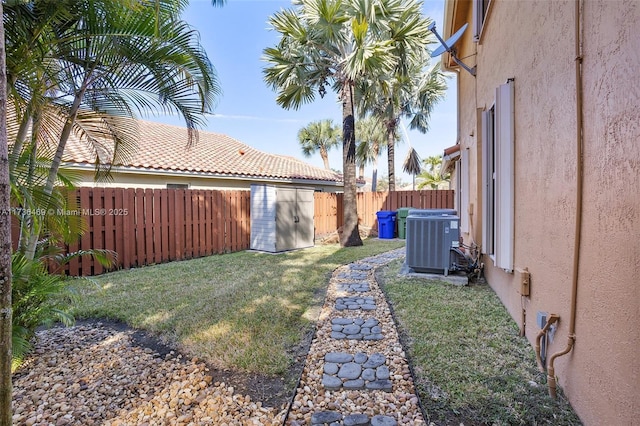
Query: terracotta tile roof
x,y
164,147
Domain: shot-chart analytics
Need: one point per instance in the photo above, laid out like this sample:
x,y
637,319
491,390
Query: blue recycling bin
x,y
386,224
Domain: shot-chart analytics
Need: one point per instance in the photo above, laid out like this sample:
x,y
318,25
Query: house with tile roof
x,y
163,159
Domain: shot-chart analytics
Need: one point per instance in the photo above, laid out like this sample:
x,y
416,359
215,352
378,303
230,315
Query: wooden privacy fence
x,y
147,226
328,207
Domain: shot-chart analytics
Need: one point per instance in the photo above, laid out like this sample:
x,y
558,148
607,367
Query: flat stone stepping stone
x,y
365,303
374,361
359,371
380,261
356,329
369,374
356,384
360,357
331,368
340,357
383,373
356,420
352,275
323,417
332,418
331,382
383,421
355,287
360,267
384,385
350,370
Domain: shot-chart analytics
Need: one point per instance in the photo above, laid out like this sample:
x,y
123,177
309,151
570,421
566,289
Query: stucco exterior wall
x,y
533,43
160,181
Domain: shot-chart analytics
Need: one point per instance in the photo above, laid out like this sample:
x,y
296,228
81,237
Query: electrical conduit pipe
x,y
571,338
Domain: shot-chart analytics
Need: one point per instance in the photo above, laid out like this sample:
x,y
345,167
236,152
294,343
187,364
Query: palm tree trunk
x,y
5,247
325,158
32,241
20,139
350,234
374,173
391,161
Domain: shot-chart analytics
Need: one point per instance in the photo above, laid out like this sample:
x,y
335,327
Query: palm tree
x,y
332,43
430,176
319,136
90,67
5,248
411,92
371,136
412,165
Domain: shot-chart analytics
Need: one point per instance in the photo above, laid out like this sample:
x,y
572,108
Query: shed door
x,y
305,218
285,219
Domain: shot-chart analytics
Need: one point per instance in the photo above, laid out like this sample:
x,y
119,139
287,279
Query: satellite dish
x,y
451,41
447,46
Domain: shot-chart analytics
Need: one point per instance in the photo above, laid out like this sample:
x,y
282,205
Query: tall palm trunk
x,y
374,173
325,158
5,247
391,161
34,234
20,140
350,234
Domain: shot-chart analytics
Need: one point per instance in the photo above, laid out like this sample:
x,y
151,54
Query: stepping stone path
x,y
356,372
356,287
356,329
336,418
351,275
359,371
356,302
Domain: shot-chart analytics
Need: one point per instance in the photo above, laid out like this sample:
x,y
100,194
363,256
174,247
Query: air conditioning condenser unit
x,y
429,239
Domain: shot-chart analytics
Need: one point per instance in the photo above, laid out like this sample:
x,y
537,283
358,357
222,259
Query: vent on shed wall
x,y
429,239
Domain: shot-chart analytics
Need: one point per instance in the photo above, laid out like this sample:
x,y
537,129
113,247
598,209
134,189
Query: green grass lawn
x,y
470,363
242,311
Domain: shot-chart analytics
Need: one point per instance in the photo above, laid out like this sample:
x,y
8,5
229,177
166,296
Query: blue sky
x,y
234,37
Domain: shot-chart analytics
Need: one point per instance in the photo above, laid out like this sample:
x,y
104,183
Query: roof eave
x,y
451,155
230,176
454,12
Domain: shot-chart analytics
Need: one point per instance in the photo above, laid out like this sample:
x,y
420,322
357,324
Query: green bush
x,y
32,296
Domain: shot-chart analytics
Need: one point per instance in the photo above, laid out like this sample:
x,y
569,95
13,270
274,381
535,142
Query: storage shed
x,y
281,218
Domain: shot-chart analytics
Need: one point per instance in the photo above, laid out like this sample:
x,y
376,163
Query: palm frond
x,y
411,163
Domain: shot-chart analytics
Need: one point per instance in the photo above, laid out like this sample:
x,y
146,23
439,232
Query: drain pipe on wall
x,y
579,167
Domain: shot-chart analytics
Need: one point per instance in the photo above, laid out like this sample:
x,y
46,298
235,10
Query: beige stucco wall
x,y
160,181
532,42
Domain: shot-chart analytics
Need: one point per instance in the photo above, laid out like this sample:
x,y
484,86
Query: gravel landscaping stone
x,y
97,375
